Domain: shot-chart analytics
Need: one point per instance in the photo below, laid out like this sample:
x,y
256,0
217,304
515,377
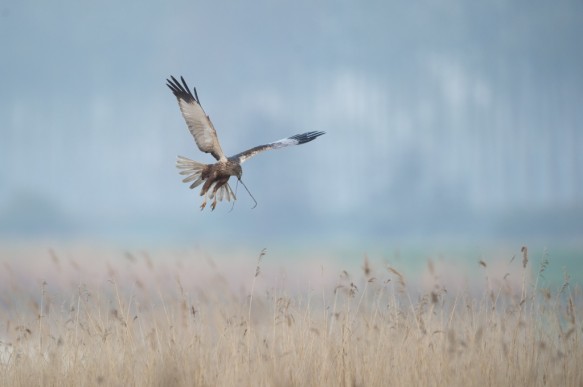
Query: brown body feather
x,y
219,174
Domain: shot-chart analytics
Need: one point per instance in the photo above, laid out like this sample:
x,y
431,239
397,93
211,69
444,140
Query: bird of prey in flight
x,y
215,177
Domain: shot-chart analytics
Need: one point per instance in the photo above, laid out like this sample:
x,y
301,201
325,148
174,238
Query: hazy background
x,y
453,120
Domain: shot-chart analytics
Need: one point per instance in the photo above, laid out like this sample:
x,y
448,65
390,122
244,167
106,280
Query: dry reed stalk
x,y
369,339
249,322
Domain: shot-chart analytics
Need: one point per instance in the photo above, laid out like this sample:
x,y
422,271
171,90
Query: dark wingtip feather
x,y
181,91
306,137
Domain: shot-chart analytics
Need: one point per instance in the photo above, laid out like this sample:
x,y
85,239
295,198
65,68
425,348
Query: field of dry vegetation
x,y
142,320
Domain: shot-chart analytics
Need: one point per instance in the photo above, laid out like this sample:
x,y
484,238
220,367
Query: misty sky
x,y
450,118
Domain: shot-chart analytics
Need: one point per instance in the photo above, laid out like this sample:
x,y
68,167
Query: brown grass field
x,y
181,319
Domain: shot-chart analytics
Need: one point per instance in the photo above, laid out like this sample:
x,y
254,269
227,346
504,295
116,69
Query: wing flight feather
x,y
289,141
198,122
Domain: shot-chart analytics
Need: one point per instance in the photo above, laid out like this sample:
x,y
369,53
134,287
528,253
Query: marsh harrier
x,y
216,176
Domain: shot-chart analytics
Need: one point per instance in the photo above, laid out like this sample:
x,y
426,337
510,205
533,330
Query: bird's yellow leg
x,y
203,205
214,195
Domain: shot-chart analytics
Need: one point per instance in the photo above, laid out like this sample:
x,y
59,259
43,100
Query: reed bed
x,y
145,322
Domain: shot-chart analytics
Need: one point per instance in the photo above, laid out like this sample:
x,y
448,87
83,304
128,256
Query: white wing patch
x,y
283,143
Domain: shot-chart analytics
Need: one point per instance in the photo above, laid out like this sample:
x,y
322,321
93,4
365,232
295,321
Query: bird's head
x,y
238,171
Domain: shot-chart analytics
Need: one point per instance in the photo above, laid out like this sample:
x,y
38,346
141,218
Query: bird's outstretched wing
x,y
198,122
293,140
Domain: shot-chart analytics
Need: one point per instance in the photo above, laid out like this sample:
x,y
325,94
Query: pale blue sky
x,y
443,118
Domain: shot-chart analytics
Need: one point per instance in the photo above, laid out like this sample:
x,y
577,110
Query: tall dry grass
x,y
142,322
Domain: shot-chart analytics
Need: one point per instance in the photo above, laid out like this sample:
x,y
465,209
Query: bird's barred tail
x,y
193,170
